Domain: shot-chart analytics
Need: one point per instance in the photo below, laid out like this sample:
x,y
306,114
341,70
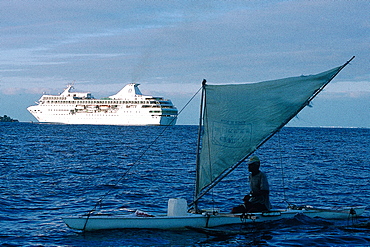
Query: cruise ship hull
x,y
104,119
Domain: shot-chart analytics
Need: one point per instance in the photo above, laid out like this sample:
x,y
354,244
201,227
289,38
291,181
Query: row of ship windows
x,y
121,111
112,115
127,106
89,114
106,102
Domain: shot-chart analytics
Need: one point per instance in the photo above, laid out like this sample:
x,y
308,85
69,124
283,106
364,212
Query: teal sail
x,y
238,118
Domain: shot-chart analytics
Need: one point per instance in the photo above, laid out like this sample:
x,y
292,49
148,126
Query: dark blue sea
x,y
51,171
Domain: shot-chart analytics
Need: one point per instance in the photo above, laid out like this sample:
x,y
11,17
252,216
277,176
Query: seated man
x,y
258,199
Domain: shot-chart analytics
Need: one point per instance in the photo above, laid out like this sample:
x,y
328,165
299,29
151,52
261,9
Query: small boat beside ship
x,y
128,107
236,119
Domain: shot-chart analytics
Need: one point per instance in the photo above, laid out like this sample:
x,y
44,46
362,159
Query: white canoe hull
x,y
201,220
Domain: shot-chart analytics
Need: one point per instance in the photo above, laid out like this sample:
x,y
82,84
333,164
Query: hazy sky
x,y
170,46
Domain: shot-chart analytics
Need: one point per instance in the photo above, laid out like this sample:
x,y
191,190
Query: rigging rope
x,y
138,159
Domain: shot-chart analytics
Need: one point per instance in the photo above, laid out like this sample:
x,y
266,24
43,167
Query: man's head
x,y
254,164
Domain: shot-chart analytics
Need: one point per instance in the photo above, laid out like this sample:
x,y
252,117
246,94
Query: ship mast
x,y
198,146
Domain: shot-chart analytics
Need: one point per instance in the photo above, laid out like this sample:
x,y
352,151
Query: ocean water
x,y
51,171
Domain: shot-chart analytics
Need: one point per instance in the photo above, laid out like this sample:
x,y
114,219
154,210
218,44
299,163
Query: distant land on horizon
x,y
6,118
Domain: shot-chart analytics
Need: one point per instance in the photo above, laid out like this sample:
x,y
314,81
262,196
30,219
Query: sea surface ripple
x,y
51,171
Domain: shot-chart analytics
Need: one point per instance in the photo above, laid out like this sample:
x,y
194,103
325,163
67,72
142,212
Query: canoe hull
x,y
97,222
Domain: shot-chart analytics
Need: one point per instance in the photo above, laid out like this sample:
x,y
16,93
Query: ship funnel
x,y
129,91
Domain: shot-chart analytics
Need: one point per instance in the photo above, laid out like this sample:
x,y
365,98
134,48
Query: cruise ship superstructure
x,y
128,107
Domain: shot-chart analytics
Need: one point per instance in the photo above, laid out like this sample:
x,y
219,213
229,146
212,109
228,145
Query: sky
x,y
169,47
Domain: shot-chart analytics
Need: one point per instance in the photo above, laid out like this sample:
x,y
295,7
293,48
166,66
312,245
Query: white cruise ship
x,y
128,107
